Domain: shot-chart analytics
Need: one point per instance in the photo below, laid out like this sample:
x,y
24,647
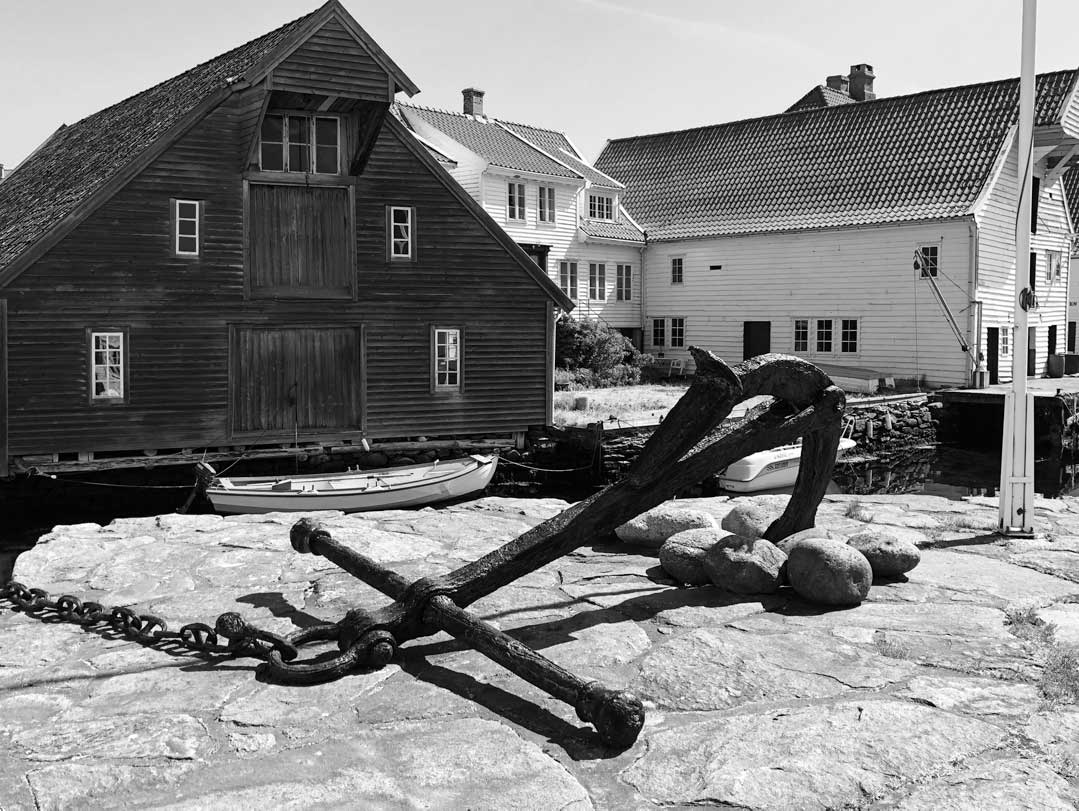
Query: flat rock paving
x,y
922,697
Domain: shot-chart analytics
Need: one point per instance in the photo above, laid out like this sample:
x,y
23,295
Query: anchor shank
x,y
308,536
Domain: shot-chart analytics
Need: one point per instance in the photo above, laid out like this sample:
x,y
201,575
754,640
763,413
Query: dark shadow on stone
x,y
977,540
276,604
890,580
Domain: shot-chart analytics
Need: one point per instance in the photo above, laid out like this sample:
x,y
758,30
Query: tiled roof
x,y
820,96
435,153
1071,191
899,158
559,147
79,159
494,143
612,230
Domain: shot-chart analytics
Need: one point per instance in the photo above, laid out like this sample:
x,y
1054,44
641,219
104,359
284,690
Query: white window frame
x,y
312,143
177,219
597,281
515,201
804,348
407,239
930,254
680,263
546,205
446,377
1006,340
567,277
817,323
681,334
100,365
843,339
623,282
601,207
661,323
1054,262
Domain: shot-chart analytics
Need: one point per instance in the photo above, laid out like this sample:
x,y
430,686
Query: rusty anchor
x,y
685,449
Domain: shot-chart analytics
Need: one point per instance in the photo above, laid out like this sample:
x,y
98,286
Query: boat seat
x,y
284,485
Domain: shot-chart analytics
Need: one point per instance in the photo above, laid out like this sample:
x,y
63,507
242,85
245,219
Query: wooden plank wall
x,y
332,62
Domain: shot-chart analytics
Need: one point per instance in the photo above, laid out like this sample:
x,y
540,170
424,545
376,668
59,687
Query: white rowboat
x,y
767,470
353,491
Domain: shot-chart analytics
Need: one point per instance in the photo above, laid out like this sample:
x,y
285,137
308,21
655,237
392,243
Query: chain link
x,y
242,638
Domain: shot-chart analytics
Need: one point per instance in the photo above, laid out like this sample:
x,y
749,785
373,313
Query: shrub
x,y
595,354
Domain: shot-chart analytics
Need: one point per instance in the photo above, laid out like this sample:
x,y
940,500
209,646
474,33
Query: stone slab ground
x,y
921,697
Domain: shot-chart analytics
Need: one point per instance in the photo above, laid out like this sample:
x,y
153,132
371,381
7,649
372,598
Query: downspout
x,y
644,288
974,311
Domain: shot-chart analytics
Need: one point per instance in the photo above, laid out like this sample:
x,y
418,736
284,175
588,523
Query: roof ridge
x,y
532,127
839,109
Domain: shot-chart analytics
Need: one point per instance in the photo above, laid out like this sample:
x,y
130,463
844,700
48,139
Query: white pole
x,y
1017,452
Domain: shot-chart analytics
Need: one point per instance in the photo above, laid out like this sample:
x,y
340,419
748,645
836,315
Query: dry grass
x,y
633,405
1026,624
1060,676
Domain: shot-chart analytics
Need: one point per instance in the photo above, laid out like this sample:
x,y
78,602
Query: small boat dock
x,y
977,414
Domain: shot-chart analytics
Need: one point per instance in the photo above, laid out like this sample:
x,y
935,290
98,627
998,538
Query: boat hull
x,y
362,491
771,469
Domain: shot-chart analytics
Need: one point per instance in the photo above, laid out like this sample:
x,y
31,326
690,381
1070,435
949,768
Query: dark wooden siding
x,y
332,63
116,270
304,379
299,241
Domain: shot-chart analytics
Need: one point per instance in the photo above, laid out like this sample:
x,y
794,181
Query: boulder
x,y
789,542
751,517
745,565
654,527
682,555
828,572
887,553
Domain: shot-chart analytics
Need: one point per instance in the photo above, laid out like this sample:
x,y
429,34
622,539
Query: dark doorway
x,y
992,354
1053,339
756,338
1032,351
537,252
1071,336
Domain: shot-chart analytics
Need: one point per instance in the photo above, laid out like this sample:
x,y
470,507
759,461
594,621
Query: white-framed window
x,y
597,281
1005,340
824,335
186,236
107,366
623,283
677,270
567,278
848,335
600,207
291,142
546,204
446,358
659,332
928,260
1053,266
801,335
678,332
400,222
515,201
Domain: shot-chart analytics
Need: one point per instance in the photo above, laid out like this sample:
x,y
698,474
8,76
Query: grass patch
x,y
858,511
629,404
891,648
1060,676
1026,624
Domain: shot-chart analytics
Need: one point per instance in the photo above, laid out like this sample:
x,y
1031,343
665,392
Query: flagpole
x,y
1017,449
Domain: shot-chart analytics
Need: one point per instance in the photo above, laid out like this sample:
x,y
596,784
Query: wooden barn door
x,y
992,354
4,471
289,381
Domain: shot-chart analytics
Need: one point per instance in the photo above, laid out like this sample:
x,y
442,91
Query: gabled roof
x,y
623,230
895,159
487,139
86,158
558,146
820,96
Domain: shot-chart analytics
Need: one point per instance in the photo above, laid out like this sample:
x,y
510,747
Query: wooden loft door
x,y
4,470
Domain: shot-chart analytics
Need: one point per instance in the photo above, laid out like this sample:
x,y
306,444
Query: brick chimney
x,y
473,101
861,82
840,83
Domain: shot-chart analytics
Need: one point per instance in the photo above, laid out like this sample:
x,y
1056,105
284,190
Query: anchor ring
x,y
374,649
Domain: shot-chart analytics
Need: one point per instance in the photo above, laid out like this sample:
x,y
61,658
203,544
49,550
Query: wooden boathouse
x,y
255,254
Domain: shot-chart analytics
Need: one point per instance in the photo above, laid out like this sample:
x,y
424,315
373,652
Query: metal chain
x,y
242,638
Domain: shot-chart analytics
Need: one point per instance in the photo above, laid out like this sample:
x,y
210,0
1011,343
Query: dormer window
x,y
600,207
300,143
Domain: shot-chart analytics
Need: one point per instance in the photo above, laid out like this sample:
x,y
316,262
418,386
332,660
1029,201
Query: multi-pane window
x,y
659,332
186,216
801,335
1005,340
623,283
824,335
600,207
515,201
300,143
678,332
400,232
597,281
848,335
107,365
676,269
546,203
447,359
927,260
567,278
1053,260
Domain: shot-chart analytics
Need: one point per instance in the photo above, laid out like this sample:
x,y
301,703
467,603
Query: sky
x,y
594,69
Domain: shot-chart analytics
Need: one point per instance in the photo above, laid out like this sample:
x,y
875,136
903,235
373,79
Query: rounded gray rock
x,y
745,565
751,517
654,527
887,553
791,540
682,556
829,572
